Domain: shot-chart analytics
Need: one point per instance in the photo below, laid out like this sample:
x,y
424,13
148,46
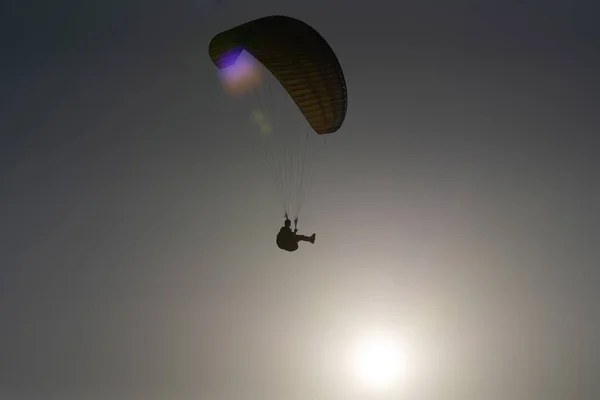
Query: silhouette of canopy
x,y
298,57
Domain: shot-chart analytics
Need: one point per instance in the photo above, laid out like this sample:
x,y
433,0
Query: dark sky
x,y
457,205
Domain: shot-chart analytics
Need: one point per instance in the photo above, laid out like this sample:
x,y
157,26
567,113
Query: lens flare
x,y
242,77
259,118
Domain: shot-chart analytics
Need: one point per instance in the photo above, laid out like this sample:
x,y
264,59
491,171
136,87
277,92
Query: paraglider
x,y
307,72
288,240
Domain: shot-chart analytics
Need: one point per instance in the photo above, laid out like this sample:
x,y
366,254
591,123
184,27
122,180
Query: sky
x,y
456,208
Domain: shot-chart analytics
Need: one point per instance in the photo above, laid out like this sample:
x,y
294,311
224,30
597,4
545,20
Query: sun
x,y
379,360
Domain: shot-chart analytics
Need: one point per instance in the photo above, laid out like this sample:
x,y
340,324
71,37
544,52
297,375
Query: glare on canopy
x,y
241,77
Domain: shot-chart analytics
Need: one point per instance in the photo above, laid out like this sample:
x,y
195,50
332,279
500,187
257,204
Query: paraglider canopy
x,y
304,68
301,60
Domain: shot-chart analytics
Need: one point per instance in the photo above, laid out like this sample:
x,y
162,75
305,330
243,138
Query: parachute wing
x,y
299,58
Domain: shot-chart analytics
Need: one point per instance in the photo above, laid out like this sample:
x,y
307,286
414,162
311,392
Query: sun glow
x,y
379,360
